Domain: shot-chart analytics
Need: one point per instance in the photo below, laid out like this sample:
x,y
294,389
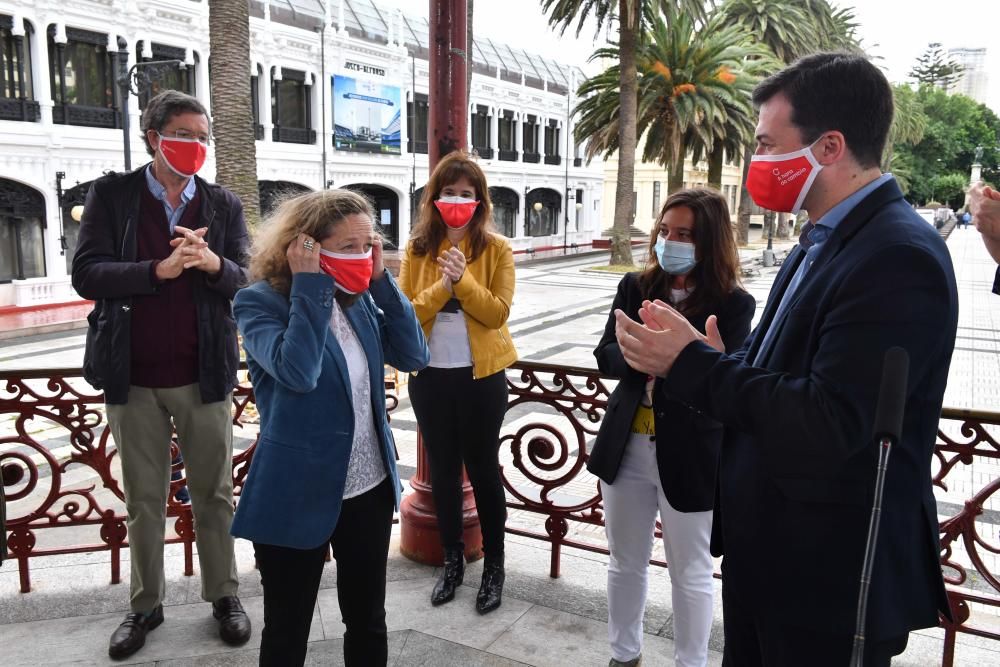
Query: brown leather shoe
x,y
234,624
131,634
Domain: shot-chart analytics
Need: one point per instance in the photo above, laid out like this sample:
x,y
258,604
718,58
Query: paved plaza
x,y
559,313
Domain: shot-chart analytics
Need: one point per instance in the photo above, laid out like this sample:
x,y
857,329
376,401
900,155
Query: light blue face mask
x,y
675,257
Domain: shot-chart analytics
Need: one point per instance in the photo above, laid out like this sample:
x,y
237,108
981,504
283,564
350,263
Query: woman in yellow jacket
x,y
460,277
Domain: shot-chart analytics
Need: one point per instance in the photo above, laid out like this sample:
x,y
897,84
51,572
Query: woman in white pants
x,y
655,455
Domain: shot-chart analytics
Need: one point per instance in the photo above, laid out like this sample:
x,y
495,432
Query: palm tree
x,y
693,95
630,15
232,112
790,29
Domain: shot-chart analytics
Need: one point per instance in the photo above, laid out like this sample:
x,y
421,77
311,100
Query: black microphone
x,y
892,395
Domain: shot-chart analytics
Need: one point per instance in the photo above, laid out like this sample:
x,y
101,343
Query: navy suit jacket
x,y
293,492
797,467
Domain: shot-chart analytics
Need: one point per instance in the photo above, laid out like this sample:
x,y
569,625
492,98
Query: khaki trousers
x,y
142,430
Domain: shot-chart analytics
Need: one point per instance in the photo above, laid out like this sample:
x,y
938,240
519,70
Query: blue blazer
x,y
293,492
797,468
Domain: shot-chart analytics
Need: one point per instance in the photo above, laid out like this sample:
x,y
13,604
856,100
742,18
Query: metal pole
x,y
447,131
448,119
60,175
123,85
322,97
566,178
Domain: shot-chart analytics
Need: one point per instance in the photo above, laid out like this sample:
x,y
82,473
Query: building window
x,y
530,141
16,90
656,199
732,198
22,239
507,141
417,113
552,143
504,210
480,124
174,76
543,206
258,129
291,108
579,208
81,73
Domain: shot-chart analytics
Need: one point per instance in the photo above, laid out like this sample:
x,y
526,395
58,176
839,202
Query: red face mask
x,y
781,182
185,157
352,273
456,212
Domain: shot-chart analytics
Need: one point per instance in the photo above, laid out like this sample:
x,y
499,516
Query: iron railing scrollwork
x,y
553,414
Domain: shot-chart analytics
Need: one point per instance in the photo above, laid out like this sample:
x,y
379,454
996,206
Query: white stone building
x,y
60,113
974,81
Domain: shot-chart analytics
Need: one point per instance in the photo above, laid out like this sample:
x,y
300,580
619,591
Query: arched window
x,y
543,207
272,192
22,239
505,208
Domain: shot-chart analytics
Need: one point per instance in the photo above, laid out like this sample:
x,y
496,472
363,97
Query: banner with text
x,y
366,116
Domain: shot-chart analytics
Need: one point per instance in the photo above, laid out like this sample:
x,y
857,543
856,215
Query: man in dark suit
x,y
798,400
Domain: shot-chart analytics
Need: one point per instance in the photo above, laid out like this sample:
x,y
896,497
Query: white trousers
x,y
630,507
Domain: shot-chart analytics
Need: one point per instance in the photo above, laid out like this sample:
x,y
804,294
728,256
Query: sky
x,y
895,31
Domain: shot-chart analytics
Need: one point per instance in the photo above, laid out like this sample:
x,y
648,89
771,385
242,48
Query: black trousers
x,y
758,639
460,419
291,577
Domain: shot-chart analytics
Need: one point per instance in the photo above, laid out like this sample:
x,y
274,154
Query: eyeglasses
x,y
185,134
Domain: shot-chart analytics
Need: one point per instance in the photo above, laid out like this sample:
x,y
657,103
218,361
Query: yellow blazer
x,y
485,292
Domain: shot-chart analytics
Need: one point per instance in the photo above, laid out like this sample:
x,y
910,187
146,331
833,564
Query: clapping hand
x,y
653,346
195,251
452,265
187,248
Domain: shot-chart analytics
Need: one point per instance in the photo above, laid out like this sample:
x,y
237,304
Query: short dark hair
x,y
836,91
165,106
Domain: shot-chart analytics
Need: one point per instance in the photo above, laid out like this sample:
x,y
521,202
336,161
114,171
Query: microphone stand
x,y
858,652
888,429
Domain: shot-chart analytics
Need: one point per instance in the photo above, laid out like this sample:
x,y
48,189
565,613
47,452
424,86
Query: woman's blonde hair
x,y
315,214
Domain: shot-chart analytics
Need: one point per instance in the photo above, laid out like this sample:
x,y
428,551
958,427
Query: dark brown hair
x,y
716,274
427,235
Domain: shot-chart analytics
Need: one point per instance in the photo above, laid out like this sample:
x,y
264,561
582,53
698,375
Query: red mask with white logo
x,y
185,157
456,212
351,273
781,182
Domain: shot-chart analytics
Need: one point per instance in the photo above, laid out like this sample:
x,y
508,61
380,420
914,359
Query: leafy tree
x,y
955,126
934,68
693,95
630,16
949,189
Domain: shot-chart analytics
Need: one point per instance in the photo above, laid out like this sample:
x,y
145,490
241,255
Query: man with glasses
x,y
162,253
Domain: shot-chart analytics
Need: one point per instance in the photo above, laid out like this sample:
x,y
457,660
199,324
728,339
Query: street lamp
x,y
133,81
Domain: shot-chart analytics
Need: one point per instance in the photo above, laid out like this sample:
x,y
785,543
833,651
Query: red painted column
x,y
447,131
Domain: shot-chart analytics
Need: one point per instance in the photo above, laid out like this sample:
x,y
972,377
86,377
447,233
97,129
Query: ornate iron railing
x,y
22,109
86,116
553,414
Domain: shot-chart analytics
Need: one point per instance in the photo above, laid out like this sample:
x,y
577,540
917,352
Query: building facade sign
x,y
366,116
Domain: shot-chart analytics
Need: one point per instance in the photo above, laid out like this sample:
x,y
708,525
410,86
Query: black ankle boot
x,y
491,590
451,577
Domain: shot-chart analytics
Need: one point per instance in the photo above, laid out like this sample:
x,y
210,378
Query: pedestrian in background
x,y
654,454
460,276
319,324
